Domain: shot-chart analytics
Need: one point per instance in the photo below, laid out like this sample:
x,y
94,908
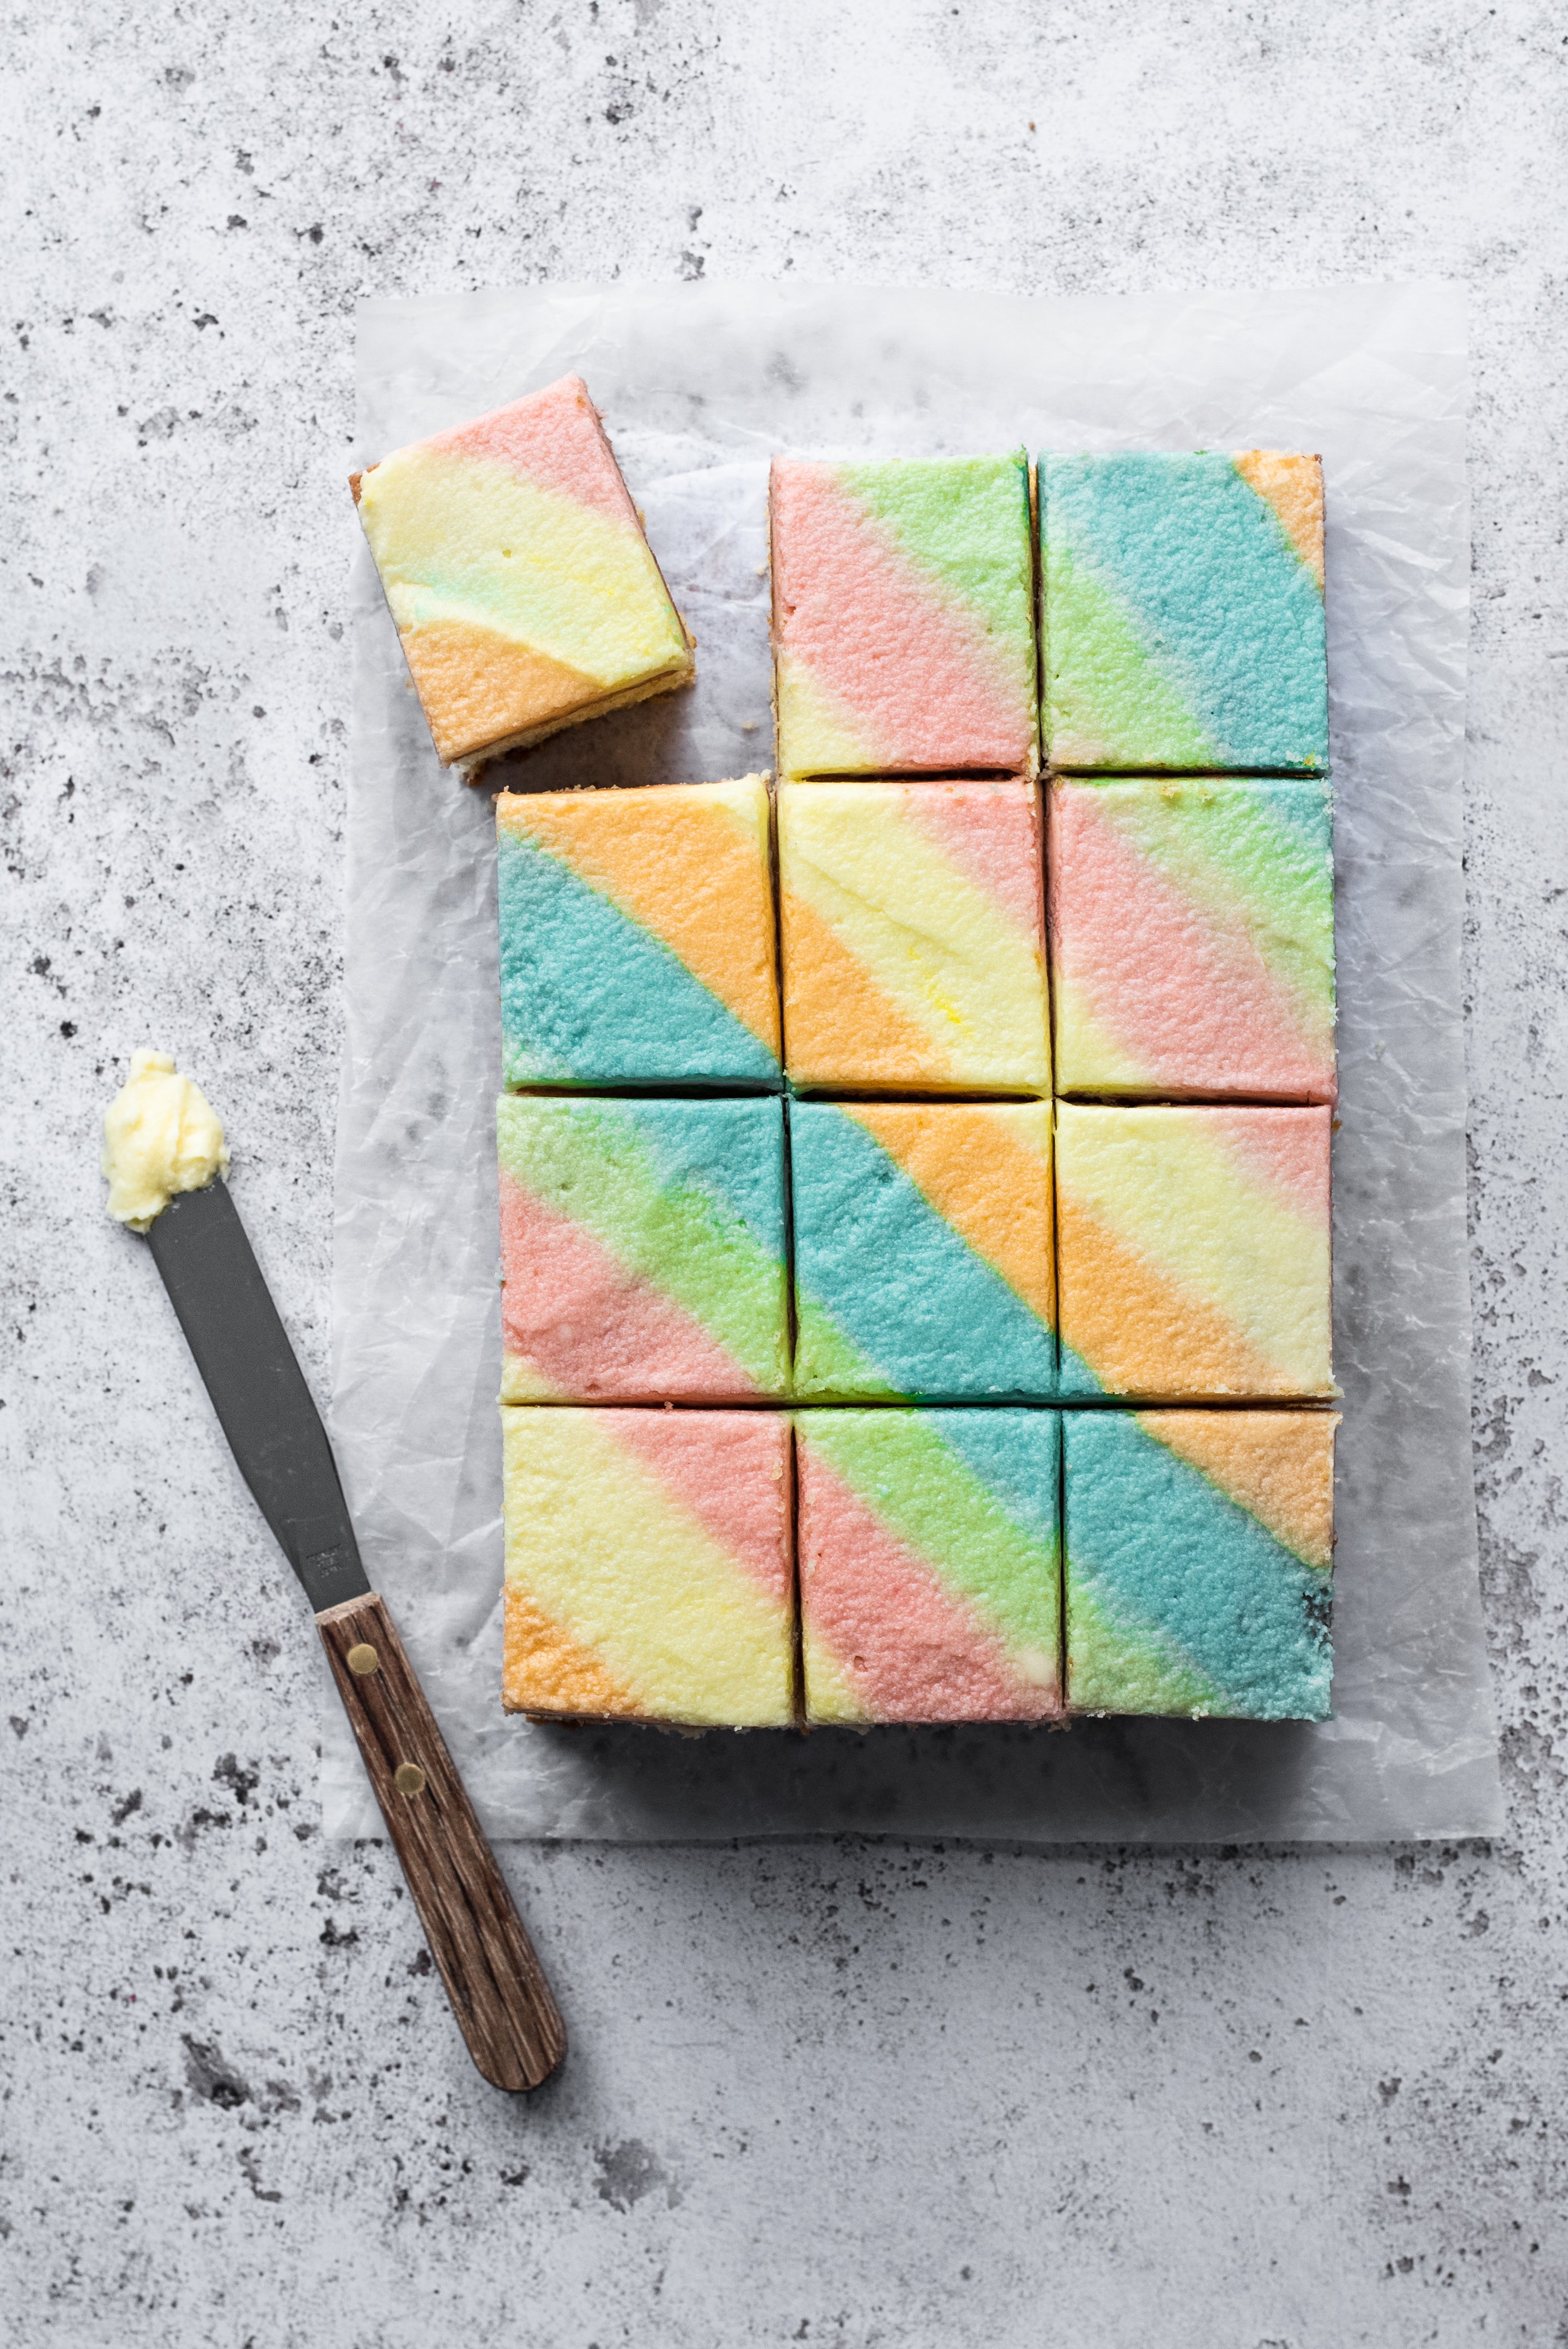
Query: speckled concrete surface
x,y
843,2094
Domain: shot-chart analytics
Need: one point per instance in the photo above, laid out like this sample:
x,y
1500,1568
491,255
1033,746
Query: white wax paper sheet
x,y
698,387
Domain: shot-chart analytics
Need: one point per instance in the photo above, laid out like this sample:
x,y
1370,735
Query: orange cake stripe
x,y
679,869
828,995
1292,486
546,1671
1278,1466
1005,1216
482,685
1139,1331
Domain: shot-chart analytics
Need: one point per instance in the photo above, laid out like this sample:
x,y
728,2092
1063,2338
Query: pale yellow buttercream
x,y
160,1135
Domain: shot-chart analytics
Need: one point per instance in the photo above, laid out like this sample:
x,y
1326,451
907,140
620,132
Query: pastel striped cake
x,y
1199,1549
636,935
1183,622
924,1264
642,1249
524,590
928,1565
913,936
1192,1252
647,1566
1193,938
903,617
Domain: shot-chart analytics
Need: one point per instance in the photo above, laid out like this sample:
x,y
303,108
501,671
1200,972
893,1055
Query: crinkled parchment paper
x,y
698,386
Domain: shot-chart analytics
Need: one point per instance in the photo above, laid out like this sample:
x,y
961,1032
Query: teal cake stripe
x,y
589,997
1074,1376
1223,604
732,1149
1016,1455
900,1283
1163,1551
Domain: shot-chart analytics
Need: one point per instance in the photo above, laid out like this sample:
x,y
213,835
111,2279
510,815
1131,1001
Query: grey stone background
x,y
853,2093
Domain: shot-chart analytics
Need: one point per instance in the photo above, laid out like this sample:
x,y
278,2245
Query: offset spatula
x,y
499,1993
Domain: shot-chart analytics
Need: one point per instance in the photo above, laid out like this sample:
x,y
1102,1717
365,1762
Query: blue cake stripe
x,y
1165,1549
589,997
1227,609
732,1149
1016,1455
899,1281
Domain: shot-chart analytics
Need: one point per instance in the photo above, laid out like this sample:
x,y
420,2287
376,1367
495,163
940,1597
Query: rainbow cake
x,y
1182,612
647,1566
912,931
1198,1555
642,1249
1193,938
525,593
636,935
1192,1252
928,1556
903,617
924,1264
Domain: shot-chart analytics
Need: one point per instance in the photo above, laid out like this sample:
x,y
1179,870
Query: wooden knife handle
x,y
497,1986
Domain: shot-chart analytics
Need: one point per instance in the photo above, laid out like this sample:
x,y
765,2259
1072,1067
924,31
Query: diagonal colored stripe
x,y
911,1293
818,733
554,439
587,996
986,1169
476,684
961,523
576,1323
907,1645
1278,1466
838,1025
545,1669
620,1527
991,835
1116,1667
1127,1328
688,863
1292,488
1182,985
1107,701
1158,1548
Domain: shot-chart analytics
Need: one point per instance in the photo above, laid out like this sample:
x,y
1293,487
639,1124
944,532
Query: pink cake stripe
x,y
550,439
1286,1148
874,624
909,1646
579,1318
721,1467
1134,938
992,839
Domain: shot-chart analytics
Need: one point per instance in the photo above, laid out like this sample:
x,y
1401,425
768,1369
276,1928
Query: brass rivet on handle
x,y
408,1778
363,1660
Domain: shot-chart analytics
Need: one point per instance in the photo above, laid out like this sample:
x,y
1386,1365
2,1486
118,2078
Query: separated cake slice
x,y
636,935
642,1249
1199,1549
1192,1252
517,570
923,1264
1193,938
912,929
648,1567
1182,603
903,617
929,1565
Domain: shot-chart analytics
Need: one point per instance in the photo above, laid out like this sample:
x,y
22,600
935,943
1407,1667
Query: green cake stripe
x,y
906,1469
662,1211
1094,638
1115,1665
958,541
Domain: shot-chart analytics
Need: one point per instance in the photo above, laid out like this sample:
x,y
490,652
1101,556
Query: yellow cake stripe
x,y
1084,1043
602,1549
946,955
545,1669
683,865
1143,1332
828,997
1193,1210
588,593
980,1169
808,712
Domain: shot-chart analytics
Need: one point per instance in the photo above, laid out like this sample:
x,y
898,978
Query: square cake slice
x,y
903,617
1199,1549
929,1565
1192,1252
912,928
1193,938
642,1249
1183,611
524,590
923,1264
636,935
648,1572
